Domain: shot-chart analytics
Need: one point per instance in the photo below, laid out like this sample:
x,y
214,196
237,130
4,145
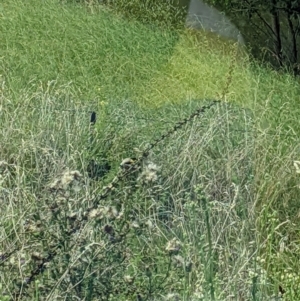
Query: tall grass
x,y
212,211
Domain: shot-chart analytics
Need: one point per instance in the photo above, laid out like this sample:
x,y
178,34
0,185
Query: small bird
x,y
128,163
93,118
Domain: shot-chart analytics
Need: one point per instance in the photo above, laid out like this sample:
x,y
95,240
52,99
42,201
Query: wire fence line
x,y
21,288
121,175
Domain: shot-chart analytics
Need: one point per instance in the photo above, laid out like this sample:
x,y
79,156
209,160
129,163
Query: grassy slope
x,y
92,51
60,56
77,47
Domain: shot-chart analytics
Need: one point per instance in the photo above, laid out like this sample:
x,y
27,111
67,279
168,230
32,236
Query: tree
x,y
275,22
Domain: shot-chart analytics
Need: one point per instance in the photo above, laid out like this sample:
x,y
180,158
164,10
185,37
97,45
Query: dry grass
x,y
211,214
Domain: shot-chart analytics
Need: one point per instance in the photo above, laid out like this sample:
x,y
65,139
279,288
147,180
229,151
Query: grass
x,y
211,213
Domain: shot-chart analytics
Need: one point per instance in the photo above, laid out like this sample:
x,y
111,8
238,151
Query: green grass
x,y
89,51
101,56
216,219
